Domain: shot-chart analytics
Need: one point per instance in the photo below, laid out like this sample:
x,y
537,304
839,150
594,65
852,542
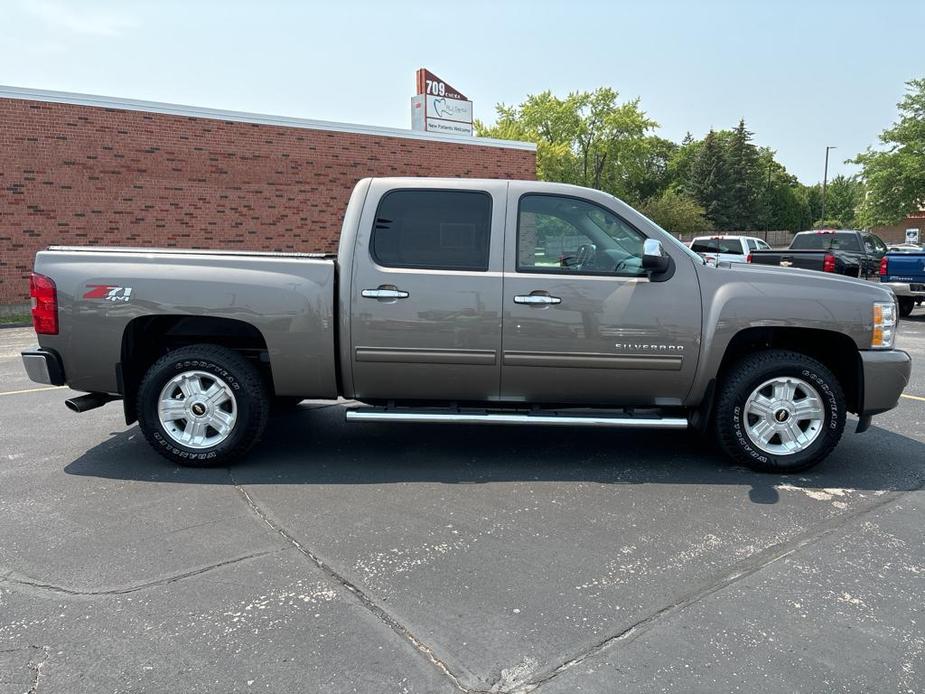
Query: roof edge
x,y
26,94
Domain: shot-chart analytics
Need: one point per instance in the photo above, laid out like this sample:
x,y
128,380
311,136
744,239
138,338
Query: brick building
x,y
78,169
896,233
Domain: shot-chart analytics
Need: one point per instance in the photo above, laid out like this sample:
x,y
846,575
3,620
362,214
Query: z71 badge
x,y
109,292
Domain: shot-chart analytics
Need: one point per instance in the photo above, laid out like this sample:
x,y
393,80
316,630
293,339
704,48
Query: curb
x,y
15,325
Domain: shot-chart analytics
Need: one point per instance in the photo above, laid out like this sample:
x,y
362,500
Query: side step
x,y
545,418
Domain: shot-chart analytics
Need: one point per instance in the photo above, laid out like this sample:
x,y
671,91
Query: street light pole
x,y
825,178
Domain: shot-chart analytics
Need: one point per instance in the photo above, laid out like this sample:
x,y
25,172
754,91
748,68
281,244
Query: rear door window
x,y
433,229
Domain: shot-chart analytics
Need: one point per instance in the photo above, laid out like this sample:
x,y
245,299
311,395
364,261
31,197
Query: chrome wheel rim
x,y
197,409
784,415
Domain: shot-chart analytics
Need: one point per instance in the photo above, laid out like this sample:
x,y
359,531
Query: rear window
x,y
826,241
731,246
433,229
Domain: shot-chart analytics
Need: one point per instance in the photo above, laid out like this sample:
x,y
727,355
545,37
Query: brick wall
x,y
896,233
75,174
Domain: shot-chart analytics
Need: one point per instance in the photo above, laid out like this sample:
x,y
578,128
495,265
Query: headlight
x,y
884,332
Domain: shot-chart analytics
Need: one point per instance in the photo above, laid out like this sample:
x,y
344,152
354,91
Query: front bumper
x,y
914,289
43,366
886,375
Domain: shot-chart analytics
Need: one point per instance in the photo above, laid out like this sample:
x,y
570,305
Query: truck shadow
x,y
314,445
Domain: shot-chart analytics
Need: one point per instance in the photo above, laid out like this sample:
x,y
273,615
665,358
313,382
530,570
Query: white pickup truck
x,y
729,248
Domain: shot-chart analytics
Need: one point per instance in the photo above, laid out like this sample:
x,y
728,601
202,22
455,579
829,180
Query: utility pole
x,y
825,178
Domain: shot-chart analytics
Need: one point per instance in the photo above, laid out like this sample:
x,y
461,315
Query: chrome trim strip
x,y
361,415
95,101
593,360
398,355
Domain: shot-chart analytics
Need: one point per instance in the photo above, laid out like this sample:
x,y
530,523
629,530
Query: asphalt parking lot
x,y
415,558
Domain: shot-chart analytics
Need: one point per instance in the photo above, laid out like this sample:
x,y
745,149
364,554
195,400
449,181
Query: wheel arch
x,y
147,338
838,352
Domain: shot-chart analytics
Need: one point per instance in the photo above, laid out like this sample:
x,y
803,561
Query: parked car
x,y
728,248
904,272
443,304
839,251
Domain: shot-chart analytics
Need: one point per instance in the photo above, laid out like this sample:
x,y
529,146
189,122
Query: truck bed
x,y
110,292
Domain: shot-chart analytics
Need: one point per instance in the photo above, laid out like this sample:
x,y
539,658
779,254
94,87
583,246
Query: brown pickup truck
x,y
470,301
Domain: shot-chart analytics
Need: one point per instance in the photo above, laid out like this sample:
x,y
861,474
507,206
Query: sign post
x,y
912,235
438,107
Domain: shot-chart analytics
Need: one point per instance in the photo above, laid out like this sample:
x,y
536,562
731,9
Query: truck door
x,y
425,311
583,324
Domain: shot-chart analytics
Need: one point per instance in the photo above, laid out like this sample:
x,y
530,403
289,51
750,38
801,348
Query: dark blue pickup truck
x,y
904,272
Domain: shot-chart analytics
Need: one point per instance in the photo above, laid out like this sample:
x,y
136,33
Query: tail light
x,y
884,266
828,263
748,258
44,304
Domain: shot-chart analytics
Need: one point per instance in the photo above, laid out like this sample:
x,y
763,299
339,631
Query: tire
x,y
240,411
906,306
751,385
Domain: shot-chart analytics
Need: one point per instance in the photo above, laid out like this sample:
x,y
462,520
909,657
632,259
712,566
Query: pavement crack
x,y
11,578
365,600
737,572
36,668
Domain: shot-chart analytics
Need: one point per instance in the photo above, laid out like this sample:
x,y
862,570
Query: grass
x,y
16,318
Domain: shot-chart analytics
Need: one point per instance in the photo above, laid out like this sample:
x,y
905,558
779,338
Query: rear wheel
x,y
906,305
202,405
779,411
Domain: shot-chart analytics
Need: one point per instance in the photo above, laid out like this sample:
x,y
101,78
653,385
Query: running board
x,y
375,414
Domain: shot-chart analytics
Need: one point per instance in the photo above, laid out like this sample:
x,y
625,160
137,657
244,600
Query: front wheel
x,y
779,411
906,305
202,405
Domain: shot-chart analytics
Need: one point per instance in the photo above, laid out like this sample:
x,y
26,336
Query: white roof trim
x,y
243,117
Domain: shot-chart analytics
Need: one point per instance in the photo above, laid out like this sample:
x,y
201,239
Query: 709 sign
x,y
436,88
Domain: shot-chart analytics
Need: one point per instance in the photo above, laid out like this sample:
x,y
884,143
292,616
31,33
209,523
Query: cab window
x,y
559,234
433,229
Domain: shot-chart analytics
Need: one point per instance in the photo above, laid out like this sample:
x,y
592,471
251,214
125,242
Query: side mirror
x,y
654,258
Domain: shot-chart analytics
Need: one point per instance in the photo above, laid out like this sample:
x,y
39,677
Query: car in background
x,y
904,272
729,248
839,251
905,248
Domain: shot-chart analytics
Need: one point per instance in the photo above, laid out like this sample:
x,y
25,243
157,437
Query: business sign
x,y
438,107
912,235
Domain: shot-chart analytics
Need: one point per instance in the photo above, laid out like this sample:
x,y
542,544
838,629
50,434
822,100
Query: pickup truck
x,y
729,248
476,302
841,251
904,273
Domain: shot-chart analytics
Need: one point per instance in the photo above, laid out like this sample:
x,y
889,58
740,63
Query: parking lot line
x,y
912,397
32,390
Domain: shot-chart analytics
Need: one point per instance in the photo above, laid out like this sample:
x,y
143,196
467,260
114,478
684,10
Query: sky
x,y
804,75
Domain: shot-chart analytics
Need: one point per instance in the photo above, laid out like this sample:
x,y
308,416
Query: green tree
x,y
895,177
710,182
843,196
676,212
742,166
587,138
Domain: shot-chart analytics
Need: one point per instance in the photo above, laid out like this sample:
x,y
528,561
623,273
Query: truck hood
x,y
809,279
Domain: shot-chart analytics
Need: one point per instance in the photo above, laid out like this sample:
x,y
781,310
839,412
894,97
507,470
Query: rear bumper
x,y
914,289
886,375
43,366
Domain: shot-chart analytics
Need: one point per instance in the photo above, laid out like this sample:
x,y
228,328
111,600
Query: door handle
x,y
384,293
537,299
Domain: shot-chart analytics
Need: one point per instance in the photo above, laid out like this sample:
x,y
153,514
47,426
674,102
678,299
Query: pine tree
x,y
710,181
743,167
